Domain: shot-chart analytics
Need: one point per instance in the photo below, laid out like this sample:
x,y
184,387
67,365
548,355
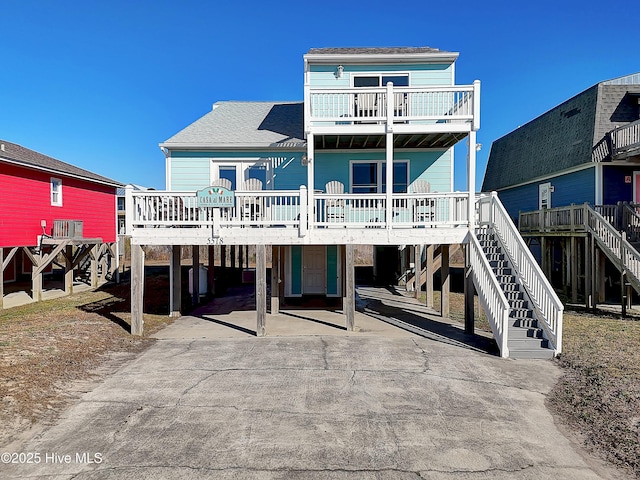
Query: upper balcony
x,y
437,116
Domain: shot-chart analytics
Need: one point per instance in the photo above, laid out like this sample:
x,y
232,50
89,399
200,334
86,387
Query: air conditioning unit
x,y
67,229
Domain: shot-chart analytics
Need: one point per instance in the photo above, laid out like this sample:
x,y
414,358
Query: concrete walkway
x,y
311,401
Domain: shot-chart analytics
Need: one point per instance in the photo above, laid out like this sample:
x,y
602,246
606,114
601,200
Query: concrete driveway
x,y
210,400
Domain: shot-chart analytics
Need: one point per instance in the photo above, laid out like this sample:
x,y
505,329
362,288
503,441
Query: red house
x,y
53,214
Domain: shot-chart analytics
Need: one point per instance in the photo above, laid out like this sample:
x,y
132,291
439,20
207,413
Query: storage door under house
x,y
313,270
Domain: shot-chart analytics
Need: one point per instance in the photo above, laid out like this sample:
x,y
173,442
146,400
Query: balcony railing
x,y
288,209
412,105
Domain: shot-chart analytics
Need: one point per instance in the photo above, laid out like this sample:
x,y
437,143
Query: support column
x,y
544,257
137,289
587,272
211,270
601,278
469,293
573,266
36,278
175,281
93,255
471,176
417,262
68,270
261,290
428,278
349,306
275,279
594,274
446,281
195,275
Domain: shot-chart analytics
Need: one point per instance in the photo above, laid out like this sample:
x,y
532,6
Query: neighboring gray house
x,y
584,150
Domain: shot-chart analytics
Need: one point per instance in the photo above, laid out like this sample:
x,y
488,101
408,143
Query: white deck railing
x,y
549,308
288,209
490,295
350,106
625,137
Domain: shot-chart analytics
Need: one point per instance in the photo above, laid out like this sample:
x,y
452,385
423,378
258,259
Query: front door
x,y
314,270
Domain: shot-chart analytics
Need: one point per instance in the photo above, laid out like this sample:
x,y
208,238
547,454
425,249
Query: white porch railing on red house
x,y
419,105
288,209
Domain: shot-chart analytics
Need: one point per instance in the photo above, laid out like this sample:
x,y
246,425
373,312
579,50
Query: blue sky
x,y
99,84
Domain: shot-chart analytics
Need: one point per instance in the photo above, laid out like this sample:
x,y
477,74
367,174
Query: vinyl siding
x,y
433,166
25,196
323,76
192,170
615,188
577,187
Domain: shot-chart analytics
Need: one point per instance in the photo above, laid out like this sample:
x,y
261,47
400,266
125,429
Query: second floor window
x,y
56,192
381,80
371,177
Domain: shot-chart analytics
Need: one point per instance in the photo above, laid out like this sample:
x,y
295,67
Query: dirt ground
x,y
48,349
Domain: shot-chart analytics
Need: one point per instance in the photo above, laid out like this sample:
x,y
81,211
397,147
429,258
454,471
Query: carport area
x,y
211,400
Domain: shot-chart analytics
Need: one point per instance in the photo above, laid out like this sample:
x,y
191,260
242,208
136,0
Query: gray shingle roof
x,y
373,50
20,155
245,124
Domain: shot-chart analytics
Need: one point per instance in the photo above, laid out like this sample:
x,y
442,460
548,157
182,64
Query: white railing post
x,y
389,139
128,210
304,212
476,105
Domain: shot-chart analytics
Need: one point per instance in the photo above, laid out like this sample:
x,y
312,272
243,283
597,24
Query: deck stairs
x,y
525,338
621,246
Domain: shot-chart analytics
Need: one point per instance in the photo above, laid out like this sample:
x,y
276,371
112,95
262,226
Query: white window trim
x,y
379,172
242,166
55,203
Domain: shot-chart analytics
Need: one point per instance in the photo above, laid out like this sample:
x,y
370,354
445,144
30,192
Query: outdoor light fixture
x,y
304,160
339,71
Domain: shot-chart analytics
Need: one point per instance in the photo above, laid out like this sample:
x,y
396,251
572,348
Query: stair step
x,y
514,294
524,322
506,279
535,353
502,271
524,332
519,304
527,343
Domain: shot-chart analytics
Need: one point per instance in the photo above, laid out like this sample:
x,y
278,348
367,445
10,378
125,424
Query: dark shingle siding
x,y
616,107
24,156
557,140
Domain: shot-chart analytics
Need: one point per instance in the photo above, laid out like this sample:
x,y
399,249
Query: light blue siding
x,y
433,166
192,170
577,187
323,76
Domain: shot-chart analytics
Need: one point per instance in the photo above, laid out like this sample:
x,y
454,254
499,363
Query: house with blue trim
x,y
572,176
366,158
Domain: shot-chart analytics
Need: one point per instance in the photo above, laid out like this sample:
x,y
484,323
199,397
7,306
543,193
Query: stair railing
x,y
631,221
615,245
547,305
490,294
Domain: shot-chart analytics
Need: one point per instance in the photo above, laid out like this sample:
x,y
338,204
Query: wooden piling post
x,y
261,290
350,286
469,293
446,281
428,277
275,279
137,289
417,262
175,309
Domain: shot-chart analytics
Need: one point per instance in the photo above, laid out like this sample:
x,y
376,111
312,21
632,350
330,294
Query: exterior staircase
x,y
525,338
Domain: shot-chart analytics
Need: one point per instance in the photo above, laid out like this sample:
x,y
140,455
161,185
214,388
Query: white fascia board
x,y
232,147
60,173
386,58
